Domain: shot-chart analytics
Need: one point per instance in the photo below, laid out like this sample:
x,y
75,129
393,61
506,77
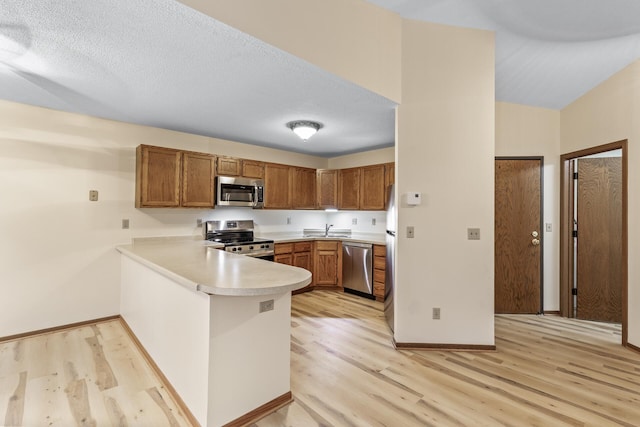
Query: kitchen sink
x,y
332,234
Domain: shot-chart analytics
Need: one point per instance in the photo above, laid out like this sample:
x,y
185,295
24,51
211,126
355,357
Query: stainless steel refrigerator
x,y
389,287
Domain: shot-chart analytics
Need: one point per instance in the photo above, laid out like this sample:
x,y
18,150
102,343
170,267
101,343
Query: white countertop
x,y
200,266
283,237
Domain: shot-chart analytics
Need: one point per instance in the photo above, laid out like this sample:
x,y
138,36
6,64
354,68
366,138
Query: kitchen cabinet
x,y
379,266
389,179
167,177
303,190
229,166
327,188
277,186
328,264
283,253
303,258
349,188
372,187
252,169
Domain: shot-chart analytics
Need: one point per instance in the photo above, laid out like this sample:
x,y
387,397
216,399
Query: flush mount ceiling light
x,y
305,129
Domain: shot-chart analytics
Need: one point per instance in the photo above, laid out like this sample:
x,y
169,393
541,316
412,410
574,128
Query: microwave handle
x,y
255,196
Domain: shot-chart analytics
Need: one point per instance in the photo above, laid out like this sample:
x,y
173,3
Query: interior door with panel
x,y
599,239
518,235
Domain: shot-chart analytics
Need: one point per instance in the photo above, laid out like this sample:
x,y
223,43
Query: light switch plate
x,y
125,224
548,227
93,195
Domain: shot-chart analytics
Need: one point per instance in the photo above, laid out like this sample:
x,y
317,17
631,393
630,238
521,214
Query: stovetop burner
x,y
237,237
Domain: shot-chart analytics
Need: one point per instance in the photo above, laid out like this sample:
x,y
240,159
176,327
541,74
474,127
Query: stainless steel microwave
x,y
235,191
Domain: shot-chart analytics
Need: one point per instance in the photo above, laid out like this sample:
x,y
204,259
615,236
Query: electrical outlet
x,y
354,221
93,195
473,234
266,305
199,222
548,227
125,224
373,221
410,232
436,313
288,220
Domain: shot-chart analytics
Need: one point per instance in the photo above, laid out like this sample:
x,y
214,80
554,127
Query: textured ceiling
x,y
548,52
160,63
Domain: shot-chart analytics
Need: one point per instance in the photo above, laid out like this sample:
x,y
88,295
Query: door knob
x,y
534,233
535,242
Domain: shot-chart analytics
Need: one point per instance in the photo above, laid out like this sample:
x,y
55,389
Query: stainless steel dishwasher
x,y
357,268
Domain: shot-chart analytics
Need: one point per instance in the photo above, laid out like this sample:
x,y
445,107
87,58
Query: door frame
x,y
566,228
542,239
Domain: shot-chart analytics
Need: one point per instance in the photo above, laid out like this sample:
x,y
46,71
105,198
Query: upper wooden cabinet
x,y
172,178
229,166
327,188
252,169
349,188
232,166
277,186
198,173
372,188
303,190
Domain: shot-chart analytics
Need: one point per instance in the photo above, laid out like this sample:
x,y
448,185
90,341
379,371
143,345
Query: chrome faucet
x,y
326,229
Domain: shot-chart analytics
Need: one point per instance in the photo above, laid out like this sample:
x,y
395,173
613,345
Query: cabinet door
x,y
158,177
349,188
328,263
283,259
389,174
302,260
277,186
252,169
372,189
303,188
198,173
327,188
229,166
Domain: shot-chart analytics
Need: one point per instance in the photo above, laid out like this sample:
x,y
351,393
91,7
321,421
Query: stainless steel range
x,y
237,237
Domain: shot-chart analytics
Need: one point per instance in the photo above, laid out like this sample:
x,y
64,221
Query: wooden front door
x,y
599,239
518,236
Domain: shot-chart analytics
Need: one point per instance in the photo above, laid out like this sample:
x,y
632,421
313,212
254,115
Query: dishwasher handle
x,y
358,245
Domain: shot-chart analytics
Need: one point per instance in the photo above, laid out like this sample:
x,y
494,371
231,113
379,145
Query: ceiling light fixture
x,y
305,129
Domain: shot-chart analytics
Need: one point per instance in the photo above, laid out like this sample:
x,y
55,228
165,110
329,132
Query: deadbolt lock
x,y
534,233
535,242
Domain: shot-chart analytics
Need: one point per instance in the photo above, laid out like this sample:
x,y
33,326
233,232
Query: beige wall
x,y
608,113
58,259
352,39
529,131
445,150
373,157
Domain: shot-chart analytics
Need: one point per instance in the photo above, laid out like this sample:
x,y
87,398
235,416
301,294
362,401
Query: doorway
x,y
518,243
593,234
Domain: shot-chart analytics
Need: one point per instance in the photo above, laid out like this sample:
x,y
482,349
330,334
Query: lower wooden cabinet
x,y
379,265
328,266
298,254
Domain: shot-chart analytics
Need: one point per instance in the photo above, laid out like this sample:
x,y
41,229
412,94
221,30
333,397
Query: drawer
x,y
283,248
327,245
302,247
378,276
379,262
379,250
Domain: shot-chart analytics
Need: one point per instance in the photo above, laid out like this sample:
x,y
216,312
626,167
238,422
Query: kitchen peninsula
x,y
216,324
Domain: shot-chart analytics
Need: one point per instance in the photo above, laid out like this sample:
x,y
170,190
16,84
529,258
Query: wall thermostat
x,y
413,198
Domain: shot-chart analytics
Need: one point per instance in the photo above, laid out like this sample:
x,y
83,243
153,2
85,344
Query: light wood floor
x,y
87,376
547,371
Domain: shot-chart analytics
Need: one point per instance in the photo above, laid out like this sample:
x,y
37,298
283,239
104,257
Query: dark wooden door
x,y
599,242
518,236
